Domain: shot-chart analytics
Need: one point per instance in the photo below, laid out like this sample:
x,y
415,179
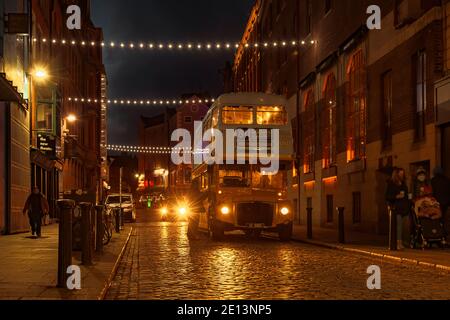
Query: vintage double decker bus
x,y
242,195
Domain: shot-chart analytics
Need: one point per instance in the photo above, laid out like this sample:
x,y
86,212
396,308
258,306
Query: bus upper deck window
x,y
271,115
237,115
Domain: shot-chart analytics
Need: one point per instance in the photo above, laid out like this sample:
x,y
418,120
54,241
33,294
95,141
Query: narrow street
x,y
161,263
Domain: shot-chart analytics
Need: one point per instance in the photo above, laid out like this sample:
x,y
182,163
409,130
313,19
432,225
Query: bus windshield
x,y
271,115
237,115
244,115
246,177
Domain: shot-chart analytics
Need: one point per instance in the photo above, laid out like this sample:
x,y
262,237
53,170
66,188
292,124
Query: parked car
x,y
129,209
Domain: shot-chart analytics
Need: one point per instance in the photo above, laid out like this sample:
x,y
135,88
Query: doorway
x,y
445,149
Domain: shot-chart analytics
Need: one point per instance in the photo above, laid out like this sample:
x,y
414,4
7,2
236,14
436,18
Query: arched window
x,y
309,132
356,107
329,122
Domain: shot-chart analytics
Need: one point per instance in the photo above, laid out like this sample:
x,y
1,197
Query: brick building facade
x,y
364,100
160,173
73,72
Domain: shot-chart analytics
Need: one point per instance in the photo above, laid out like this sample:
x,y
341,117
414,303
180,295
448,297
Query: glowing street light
x,y
40,74
71,118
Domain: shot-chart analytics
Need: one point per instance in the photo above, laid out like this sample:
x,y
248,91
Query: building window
x,y
329,123
356,212
328,4
309,132
309,202
187,176
44,117
387,109
187,119
421,94
356,107
308,18
330,208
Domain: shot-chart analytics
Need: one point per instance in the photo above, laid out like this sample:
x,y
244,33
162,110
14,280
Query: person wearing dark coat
x,y
36,206
397,198
441,191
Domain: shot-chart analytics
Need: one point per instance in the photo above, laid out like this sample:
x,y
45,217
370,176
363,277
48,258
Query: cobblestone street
x,y
161,263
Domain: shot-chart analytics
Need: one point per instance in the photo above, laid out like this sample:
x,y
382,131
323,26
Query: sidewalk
x,y
28,268
375,246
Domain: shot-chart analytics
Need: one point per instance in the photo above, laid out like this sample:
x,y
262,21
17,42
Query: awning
x,y
8,92
44,162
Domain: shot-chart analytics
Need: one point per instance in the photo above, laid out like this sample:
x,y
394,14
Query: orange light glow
x,y
330,180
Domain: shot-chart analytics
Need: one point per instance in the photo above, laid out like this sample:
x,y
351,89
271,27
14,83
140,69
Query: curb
x,y
113,273
389,258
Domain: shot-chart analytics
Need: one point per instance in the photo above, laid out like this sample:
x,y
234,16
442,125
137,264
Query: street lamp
x,y
71,118
40,74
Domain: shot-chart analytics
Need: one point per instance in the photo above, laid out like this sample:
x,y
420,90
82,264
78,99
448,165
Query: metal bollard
x,y
117,219
64,240
86,233
122,221
309,222
341,224
392,230
100,230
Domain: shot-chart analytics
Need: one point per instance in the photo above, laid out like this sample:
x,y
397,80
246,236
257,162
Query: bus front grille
x,y
255,213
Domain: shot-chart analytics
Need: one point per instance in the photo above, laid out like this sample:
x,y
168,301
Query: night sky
x,y
152,74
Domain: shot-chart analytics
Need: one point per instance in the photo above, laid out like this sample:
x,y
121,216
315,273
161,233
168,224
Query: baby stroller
x,y
427,223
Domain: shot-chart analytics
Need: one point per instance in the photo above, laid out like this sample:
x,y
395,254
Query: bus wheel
x,y
216,231
285,232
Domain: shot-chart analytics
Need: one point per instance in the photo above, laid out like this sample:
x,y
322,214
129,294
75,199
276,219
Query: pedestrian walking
x,y
441,191
397,198
36,207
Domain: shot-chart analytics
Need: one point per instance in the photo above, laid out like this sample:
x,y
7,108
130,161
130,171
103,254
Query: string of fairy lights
x,y
173,45
154,150
148,102
160,46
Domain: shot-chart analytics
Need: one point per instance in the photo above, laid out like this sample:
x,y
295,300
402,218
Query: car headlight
x,y
225,210
164,211
284,211
182,211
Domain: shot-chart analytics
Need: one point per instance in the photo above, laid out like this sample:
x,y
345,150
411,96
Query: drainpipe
x,y
298,158
7,168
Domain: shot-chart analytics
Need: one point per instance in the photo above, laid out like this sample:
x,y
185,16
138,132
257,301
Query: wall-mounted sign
x,y
47,145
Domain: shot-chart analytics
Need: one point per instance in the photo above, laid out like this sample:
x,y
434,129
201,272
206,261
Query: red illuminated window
x,y
309,132
356,107
329,122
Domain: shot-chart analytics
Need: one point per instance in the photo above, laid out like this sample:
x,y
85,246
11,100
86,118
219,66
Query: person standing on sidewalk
x,y
397,197
441,191
36,206
421,184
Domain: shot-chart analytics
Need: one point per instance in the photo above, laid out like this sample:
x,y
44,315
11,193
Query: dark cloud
x,y
152,74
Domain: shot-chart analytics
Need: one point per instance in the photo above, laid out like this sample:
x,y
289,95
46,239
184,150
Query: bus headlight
x,y
284,211
225,210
